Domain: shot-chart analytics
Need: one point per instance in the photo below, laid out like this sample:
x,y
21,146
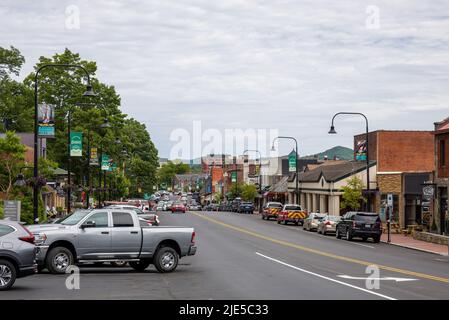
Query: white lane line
x,y
324,277
361,244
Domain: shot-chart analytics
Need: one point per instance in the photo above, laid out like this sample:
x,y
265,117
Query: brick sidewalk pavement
x,y
409,242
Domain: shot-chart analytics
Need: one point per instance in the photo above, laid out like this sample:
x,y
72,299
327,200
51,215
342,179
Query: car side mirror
x,y
88,224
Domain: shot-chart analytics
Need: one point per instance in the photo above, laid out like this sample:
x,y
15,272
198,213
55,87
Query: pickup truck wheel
x,y
166,259
8,275
59,259
140,265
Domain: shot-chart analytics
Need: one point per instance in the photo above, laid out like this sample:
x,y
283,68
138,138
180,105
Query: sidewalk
x,y
408,242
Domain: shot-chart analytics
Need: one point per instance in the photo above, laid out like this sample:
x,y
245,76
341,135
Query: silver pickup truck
x,y
109,235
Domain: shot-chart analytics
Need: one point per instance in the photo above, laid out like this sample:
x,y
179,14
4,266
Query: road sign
x,y
292,162
76,144
11,210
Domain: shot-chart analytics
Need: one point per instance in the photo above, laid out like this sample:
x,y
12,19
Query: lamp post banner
x,y
46,120
104,162
234,176
360,150
93,157
292,162
76,144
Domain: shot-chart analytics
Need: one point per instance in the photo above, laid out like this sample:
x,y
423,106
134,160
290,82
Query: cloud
x,y
281,64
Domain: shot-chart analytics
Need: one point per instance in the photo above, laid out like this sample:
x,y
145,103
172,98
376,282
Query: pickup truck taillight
x,y
193,237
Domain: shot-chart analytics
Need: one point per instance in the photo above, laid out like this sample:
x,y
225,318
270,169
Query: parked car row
x,y
353,224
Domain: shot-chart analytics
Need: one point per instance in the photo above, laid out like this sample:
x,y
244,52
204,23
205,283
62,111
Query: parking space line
x,y
326,278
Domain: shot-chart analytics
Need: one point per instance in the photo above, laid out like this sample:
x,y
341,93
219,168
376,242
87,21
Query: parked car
x,y
194,207
109,235
150,216
17,253
245,207
271,210
328,224
178,207
311,222
292,213
235,204
168,205
359,224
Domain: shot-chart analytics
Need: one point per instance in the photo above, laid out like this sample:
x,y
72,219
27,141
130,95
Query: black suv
x,y
359,224
245,207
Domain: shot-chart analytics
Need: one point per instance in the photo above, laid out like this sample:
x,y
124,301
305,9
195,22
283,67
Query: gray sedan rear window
x,y
4,230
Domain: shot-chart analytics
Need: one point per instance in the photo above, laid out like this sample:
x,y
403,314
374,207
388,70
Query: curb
x,y
415,248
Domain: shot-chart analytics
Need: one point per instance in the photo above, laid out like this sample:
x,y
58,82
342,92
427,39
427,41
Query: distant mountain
x,y
340,152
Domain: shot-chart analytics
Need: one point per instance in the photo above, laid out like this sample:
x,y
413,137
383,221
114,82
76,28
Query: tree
x,y
352,194
16,99
235,190
12,154
168,171
249,192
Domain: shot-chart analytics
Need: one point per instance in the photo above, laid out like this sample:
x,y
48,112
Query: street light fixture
x,y
332,131
296,169
88,93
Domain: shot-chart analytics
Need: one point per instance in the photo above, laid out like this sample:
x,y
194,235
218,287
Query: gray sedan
x,y
17,253
311,223
328,224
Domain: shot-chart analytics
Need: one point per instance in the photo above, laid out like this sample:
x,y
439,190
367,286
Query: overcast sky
x,y
286,65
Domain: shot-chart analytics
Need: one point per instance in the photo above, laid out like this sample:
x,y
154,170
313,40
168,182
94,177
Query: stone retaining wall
x,y
431,237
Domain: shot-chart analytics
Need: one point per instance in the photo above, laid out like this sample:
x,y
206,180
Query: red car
x,y
178,207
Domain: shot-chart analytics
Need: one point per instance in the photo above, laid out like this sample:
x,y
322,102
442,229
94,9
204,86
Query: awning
x,y
281,186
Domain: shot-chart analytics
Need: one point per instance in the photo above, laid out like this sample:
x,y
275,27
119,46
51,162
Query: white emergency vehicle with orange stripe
x,y
292,213
271,210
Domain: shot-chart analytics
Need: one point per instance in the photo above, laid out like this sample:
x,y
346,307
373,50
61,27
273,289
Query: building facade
x,y
405,161
441,178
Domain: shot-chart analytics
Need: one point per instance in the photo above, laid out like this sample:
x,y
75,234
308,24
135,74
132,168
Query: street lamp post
x,y
89,92
332,131
296,164
260,176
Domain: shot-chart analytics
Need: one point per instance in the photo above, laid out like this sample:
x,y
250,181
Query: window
x,y
442,153
122,220
100,219
4,230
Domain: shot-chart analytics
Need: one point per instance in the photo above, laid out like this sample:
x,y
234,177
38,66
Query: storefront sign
x,y
93,157
11,210
428,192
46,121
76,144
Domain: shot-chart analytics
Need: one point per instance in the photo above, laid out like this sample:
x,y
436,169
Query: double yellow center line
x,y
322,253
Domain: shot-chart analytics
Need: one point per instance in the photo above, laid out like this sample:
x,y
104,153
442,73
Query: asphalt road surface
x,y
241,256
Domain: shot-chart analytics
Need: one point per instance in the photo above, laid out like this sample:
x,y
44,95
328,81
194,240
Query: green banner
x,y
234,176
76,144
292,162
104,162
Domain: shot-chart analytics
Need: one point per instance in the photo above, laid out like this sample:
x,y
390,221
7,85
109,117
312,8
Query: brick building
x,y
405,161
441,179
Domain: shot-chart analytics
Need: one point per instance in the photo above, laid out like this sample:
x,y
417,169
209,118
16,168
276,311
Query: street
x,y
241,256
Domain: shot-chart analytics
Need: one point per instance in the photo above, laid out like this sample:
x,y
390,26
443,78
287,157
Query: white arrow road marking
x,y
384,278
324,277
